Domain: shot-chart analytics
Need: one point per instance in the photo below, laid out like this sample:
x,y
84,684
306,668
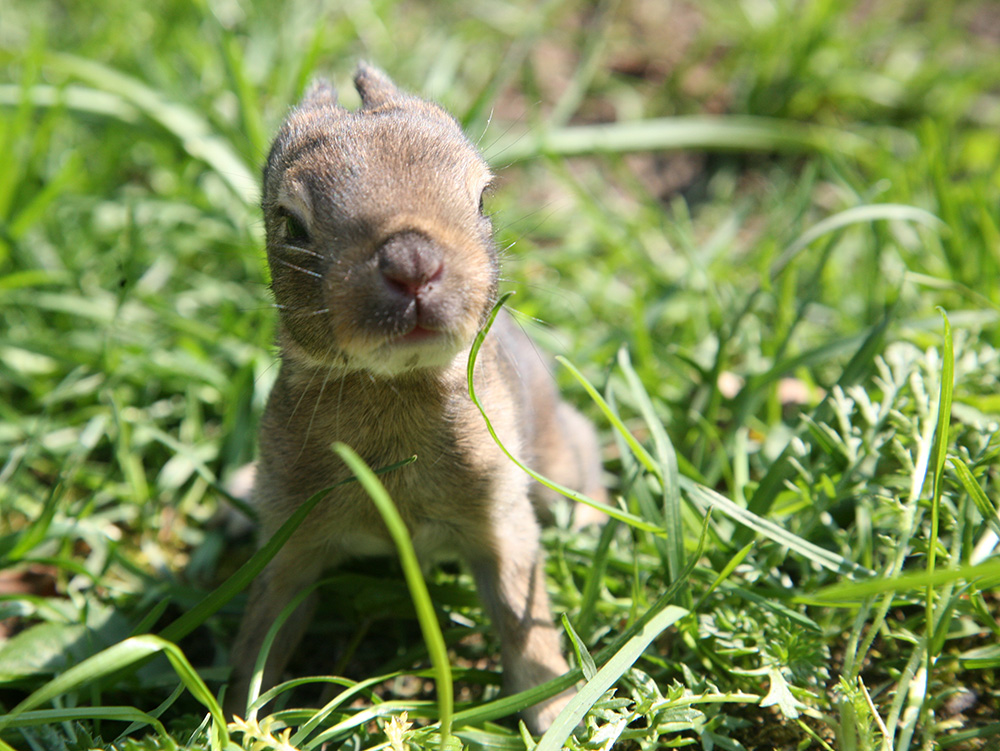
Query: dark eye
x,y
295,231
482,199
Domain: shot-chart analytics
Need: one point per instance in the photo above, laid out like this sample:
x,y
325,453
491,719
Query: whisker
x,y
297,249
482,135
283,262
486,149
301,311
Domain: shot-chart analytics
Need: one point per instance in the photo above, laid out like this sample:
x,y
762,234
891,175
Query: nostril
x,y
412,282
410,263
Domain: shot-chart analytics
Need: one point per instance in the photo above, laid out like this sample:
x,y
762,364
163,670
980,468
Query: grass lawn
x,y
765,237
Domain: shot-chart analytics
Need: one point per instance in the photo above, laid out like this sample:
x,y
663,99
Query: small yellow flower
x,y
258,736
395,731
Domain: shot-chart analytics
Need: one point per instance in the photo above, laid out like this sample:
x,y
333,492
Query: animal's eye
x,y
295,230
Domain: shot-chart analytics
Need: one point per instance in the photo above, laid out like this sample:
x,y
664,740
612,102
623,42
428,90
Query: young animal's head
x,y
381,256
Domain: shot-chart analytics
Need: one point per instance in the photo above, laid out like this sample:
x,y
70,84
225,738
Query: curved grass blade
x,y
611,511
74,714
854,215
351,690
752,522
414,580
115,658
253,699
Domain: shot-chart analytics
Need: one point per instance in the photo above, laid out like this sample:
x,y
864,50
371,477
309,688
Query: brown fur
x,y
383,275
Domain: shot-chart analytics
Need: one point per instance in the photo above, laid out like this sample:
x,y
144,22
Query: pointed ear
x,y
321,93
375,87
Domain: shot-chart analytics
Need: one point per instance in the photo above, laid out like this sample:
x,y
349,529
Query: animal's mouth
x,y
418,335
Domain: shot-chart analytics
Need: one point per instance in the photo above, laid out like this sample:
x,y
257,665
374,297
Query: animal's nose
x,y
410,263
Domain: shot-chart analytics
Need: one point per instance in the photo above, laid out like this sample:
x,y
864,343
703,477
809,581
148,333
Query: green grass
x,y
765,238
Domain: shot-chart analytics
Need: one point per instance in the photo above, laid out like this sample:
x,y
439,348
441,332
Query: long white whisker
x,y
283,262
489,121
297,249
301,311
319,400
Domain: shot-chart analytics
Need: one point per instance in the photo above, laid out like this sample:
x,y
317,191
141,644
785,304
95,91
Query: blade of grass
x,y
192,131
703,133
351,690
750,521
983,503
985,574
855,215
637,448
254,701
623,516
939,452
726,572
246,573
72,714
415,581
596,571
83,99
782,469
555,737
583,656
136,649
667,461
35,533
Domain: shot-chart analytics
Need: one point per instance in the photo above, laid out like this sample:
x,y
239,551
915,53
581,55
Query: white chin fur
x,y
392,359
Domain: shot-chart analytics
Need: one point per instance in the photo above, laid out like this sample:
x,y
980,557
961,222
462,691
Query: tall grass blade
x,y
415,581
667,461
939,452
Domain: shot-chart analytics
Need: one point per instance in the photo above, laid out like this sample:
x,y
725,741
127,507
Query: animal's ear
x,y
376,88
321,93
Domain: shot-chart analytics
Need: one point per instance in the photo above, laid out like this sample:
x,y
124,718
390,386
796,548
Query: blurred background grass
x,y
738,193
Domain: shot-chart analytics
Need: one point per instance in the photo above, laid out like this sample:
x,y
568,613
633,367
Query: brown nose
x,y
410,263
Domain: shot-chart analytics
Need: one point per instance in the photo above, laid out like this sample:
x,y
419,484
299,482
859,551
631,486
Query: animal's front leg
x,y
508,568
279,583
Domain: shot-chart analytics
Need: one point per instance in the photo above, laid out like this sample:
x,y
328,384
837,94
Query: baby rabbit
x,y
384,269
